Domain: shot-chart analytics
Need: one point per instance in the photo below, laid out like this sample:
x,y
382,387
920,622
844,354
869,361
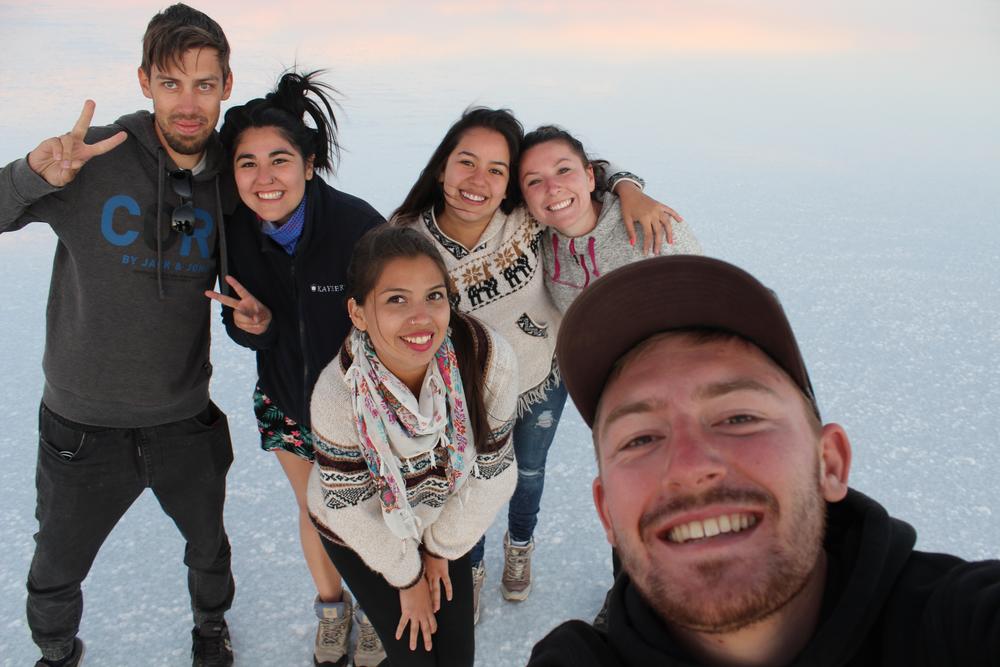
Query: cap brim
x,y
630,304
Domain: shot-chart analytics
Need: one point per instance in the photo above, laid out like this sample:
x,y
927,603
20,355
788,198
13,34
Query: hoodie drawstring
x,y
221,241
159,233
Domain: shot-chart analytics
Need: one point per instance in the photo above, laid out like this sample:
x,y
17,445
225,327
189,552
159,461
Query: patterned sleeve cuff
x,y
619,176
416,580
425,550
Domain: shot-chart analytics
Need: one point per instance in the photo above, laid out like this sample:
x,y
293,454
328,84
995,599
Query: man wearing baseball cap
x,y
727,499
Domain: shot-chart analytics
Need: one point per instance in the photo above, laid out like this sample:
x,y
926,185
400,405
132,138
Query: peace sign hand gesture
x,y
58,159
249,314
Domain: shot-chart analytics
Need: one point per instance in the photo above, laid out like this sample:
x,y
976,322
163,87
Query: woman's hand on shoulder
x,y
655,219
418,612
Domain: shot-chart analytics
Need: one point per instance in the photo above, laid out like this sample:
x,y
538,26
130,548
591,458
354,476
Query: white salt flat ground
x,y
901,341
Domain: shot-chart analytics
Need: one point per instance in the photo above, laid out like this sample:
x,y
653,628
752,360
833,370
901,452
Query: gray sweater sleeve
x,y
24,197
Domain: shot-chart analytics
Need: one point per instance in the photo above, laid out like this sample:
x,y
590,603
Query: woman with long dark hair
x,y
289,248
413,451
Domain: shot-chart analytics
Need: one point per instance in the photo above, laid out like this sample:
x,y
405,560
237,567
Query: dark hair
x,y
426,192
547,133
371,254
285,109
175,31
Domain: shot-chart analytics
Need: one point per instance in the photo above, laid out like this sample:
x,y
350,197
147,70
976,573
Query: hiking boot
x,y
210,645
515,584
478,577
333,632
601,620
73,659
369,651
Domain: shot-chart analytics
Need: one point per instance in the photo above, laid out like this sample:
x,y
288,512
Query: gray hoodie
x,y
573,263
127,325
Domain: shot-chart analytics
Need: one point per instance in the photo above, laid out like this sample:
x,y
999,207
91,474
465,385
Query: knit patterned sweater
x,y
501,282
573,263
341,493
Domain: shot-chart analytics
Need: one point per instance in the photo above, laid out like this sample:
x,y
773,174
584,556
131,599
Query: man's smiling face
x,y
713,479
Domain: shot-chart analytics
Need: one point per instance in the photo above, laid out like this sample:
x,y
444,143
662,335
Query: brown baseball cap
x,y
630,304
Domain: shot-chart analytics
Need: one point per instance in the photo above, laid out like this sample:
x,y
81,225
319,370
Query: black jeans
x,y
454,643
87,477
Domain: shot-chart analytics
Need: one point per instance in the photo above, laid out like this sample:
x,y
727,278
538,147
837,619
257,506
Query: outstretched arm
x,y
25,184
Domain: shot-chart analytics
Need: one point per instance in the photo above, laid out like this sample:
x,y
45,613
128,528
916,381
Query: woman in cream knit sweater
x,y
414,456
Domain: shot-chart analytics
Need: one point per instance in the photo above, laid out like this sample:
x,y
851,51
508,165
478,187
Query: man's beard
x,y
707,602
186,145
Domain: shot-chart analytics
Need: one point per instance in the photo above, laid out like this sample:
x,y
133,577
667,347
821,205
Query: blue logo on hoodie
x,y
201,234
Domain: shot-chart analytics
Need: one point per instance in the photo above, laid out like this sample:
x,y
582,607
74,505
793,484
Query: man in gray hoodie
x,y
137,210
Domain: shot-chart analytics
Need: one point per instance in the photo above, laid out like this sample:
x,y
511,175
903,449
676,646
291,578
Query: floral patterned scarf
x,y
392,424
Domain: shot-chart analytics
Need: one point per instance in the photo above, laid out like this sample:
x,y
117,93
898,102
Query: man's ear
x,y
227,87
357,315
144,83
602,511
834,462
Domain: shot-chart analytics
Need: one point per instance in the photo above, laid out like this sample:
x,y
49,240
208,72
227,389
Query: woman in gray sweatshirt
x,y
586,236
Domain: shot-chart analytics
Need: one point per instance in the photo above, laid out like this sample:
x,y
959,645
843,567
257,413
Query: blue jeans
x,y
533,434
87,477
